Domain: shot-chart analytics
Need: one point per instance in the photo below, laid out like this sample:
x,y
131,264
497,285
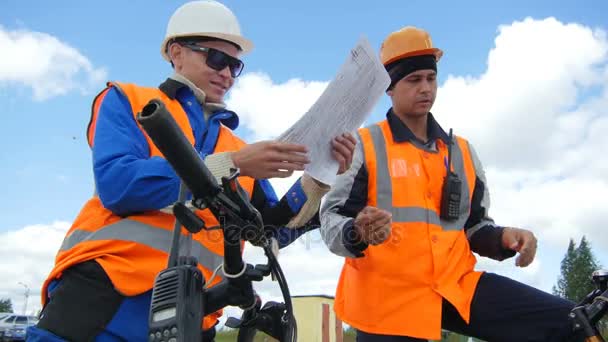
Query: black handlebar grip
x,y
170,140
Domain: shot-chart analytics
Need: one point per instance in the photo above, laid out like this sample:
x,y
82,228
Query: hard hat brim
x,y
438,53
245,44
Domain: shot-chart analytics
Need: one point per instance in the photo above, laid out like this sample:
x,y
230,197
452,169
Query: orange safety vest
x,y
397,287
133,250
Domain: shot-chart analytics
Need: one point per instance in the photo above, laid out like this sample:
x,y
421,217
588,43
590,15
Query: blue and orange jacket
x,y
121,227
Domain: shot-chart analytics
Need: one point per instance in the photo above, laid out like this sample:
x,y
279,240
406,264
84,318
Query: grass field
x,y
349,336
230,336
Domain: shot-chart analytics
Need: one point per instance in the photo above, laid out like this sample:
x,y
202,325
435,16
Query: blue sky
x,y
45,155
46,162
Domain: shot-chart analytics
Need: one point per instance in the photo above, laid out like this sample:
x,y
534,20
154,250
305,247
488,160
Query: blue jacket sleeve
x,y
127,179
277,213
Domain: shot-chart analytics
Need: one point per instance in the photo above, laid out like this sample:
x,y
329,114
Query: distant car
x,y
3,315
13,327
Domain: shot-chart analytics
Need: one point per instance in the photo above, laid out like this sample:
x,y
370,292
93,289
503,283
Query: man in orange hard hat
x,y
408,215
101,284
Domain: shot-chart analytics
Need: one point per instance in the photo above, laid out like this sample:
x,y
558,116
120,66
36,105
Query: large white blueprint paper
x,y
343,107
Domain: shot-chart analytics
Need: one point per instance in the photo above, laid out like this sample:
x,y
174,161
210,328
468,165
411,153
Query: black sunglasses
x,y
218,60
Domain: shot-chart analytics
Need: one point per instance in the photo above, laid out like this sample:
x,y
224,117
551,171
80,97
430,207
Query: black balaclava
x,y
403,67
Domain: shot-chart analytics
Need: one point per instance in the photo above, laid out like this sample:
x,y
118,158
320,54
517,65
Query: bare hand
x,y
343,148
373,225
522,241
270,159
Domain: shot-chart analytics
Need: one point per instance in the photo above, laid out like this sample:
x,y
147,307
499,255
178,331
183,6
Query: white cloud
x,y
555,209
45,64
27,256
526,108
537,118
268,108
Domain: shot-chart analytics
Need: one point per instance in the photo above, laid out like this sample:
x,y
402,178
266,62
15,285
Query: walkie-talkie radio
x,y
452,189
175,311
177,296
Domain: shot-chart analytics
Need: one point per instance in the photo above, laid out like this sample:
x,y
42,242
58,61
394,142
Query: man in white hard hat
x,y
100,286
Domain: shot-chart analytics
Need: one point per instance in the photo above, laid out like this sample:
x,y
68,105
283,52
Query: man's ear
x,y
390,92
175,54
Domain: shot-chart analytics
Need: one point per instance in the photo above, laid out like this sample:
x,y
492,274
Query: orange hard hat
x,y
407,42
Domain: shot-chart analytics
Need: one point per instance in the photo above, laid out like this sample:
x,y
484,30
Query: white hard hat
x,y
205,18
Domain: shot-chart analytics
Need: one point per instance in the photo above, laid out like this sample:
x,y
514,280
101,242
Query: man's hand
x,y
373,225
522,241
270,159
343,148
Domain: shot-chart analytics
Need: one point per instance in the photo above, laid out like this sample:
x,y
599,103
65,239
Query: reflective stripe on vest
x,y
141,233
384,188
425,260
